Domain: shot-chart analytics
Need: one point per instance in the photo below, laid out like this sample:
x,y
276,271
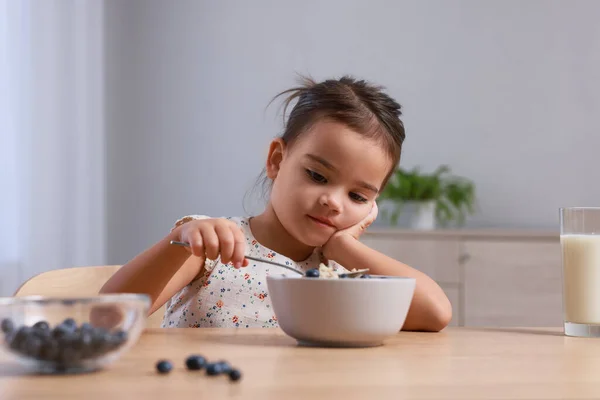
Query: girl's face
x,y
327,181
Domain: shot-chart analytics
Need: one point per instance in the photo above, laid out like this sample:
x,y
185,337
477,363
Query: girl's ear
x,y
275,157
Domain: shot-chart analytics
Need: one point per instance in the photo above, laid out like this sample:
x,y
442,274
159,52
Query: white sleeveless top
x,y
225,297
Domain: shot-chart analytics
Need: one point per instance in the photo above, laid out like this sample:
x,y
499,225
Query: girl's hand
x,y
356,230
211,238
353,232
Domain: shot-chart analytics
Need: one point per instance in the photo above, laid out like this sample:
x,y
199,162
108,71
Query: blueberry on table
x,y
235,375
164,366
214,369
195,363
312,273
7,325
225,367
342,276
365,276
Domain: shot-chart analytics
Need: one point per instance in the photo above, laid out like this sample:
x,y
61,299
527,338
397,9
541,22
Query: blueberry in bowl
x,y
70,335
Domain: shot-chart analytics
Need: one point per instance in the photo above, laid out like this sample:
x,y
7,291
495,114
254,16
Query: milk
x,y
581,278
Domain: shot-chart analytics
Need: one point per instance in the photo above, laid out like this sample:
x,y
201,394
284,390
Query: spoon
x,y
184,244
350,274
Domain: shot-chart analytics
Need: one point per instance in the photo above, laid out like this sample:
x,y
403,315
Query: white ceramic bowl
x,y
340,312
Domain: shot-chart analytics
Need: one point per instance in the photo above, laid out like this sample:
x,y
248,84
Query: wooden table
x,y
457,363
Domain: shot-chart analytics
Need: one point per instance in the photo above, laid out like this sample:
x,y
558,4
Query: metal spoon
x,y
350,274
184,244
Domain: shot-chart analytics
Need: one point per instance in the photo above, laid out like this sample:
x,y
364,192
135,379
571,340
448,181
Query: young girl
x,y
341,142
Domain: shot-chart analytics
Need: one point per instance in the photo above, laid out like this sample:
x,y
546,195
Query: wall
x,y
507,93
52,153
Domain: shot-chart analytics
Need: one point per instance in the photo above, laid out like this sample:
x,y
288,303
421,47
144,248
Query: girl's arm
x,y
164,269
430,309
160,272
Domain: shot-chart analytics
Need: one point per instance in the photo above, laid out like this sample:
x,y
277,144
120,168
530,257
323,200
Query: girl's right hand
x,y
211,238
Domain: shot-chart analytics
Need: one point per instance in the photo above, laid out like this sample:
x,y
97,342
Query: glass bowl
x,y
72,334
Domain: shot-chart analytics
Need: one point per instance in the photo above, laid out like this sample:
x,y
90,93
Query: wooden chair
x,y
79,281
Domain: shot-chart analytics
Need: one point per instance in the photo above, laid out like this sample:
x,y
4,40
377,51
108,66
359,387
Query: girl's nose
x,y
332,201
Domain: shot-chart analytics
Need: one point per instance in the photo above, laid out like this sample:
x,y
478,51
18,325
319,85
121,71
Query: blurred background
x,y
118,117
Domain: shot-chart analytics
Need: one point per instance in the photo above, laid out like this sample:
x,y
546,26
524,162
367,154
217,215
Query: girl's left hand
x,y
354,231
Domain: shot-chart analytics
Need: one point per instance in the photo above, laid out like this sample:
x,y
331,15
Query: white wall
x,y
506,92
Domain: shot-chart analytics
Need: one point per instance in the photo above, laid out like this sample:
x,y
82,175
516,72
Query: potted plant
x,y
439,197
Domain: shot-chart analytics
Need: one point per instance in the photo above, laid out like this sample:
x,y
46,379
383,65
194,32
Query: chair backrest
x,y
79,281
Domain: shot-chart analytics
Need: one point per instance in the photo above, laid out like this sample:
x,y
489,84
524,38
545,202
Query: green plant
x,y
454,196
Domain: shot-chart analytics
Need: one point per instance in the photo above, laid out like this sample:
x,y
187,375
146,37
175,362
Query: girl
x,y
341,142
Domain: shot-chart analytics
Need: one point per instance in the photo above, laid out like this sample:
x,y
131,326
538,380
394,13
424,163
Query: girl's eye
x,y
316,176
357,197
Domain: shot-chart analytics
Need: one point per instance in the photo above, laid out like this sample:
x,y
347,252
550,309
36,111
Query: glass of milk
x,y
580,244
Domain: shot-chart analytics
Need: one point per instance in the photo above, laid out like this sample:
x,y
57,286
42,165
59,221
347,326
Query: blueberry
x,y
85,340
86,327
113,341
100,334
342,276
365,276
225,367
164,366
101,341
69,346
49,350
235,375
63,329
70,323
312,273
20,337
41,326
9,338
214,369
32,346
60,331
120,337
68,355
195,363
41,334
88,350
7,326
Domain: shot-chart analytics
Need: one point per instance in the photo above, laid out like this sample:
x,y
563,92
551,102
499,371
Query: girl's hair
x,y
358,104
